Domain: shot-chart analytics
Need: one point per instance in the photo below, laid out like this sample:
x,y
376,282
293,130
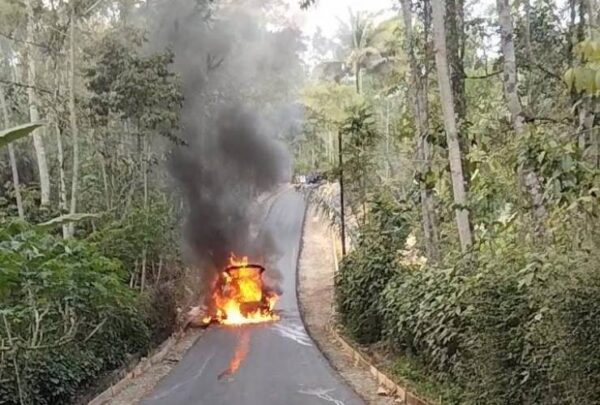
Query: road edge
x,y
346,348
138,368
404,395
306,196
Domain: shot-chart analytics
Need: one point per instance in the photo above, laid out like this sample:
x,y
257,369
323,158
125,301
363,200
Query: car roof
x,y
253,265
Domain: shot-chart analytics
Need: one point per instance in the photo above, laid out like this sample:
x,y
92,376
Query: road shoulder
x,y
315,277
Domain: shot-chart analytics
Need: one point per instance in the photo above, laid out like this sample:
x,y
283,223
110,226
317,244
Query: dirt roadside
x,y
315,277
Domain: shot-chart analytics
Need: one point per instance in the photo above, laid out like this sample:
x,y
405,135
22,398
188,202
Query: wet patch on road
x,y
323,394
293,331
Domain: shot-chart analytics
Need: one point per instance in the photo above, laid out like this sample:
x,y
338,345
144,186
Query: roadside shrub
x,y
507,324
494,365
66,316
150,229
365,272
423,314
362,277
147,236
535,334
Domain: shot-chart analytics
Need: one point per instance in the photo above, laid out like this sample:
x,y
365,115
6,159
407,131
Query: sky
x,y
325,13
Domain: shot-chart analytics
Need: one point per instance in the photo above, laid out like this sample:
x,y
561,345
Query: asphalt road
x,y
278,363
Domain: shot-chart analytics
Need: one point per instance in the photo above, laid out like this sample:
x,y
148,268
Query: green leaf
x,y
541,156
598,81
12,134
569,78
526,280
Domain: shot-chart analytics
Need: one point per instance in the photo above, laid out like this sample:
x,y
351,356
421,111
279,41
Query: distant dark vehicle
x,y
315,178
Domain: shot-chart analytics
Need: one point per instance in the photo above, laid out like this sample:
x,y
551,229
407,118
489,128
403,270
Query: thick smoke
x,y
220,178
236,78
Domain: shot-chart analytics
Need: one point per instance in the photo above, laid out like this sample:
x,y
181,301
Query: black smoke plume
x,y
235,74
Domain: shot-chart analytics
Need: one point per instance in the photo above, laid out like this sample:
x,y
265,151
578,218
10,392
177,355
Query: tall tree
x,y
450,125
38,142
12,158
527,175
419,103
455,42
73,119
359,27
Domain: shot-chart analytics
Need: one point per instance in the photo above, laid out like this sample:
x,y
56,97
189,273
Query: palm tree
x,y
364,46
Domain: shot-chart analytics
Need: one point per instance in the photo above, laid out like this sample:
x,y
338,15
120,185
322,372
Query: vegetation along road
x,y
448,151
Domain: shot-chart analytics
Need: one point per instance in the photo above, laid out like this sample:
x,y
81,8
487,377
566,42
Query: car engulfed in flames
x,y
240,296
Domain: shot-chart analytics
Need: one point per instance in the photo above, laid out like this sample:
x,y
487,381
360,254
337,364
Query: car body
x,y
232,280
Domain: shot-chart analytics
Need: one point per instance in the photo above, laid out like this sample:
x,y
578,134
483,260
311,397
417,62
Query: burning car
x,y
240,296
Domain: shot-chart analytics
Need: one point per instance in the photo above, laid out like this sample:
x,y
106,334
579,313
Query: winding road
x,y
268,364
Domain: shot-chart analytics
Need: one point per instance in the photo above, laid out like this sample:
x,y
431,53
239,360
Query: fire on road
x,y
240,296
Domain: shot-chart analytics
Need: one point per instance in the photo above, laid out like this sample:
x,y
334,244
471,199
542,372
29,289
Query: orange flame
x,y
240,296
241,351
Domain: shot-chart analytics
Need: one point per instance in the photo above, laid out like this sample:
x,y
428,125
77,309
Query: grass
x,y
410,373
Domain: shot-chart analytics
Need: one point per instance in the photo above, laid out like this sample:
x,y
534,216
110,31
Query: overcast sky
x,y
325,13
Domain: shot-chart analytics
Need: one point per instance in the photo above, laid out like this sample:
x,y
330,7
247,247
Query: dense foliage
x,y
95,125
62,303
366,271
90,272
511,316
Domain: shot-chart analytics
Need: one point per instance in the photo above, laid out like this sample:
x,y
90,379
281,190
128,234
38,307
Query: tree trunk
x,y
146,153
528,51
592,134
143,276
584,105
160,265
388,165
105,180
420,107
62,187
358,78
11,156
590,23
454,150
62,200
455,43
529,179
38,143
331,147
342,210
527,29
73,121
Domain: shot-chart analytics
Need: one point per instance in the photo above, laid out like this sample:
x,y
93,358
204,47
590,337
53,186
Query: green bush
x,y
424,314
365,272
147,235
535,333
66,316
362,277
152,229
507,325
